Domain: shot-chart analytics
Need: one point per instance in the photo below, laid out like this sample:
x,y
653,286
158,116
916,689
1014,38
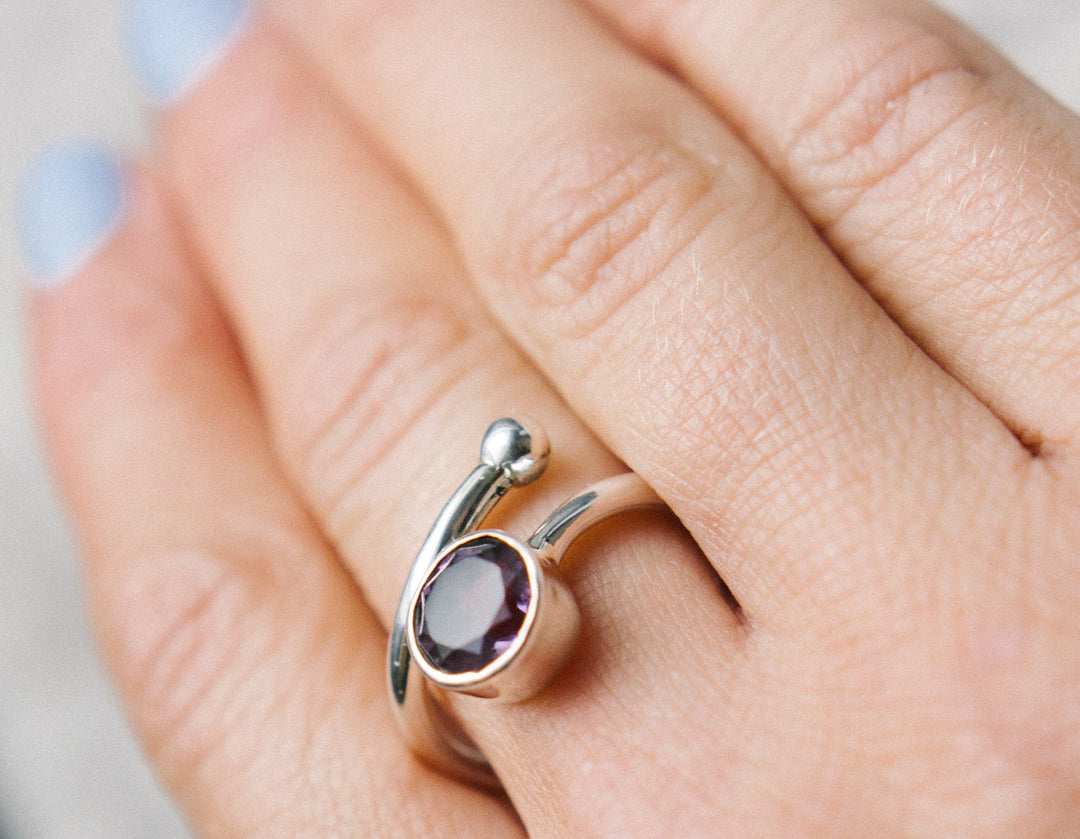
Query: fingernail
x,y
174,43
67,207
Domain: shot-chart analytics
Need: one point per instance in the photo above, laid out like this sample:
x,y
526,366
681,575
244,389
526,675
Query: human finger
x,y
663,281
380,368
944,179
250,665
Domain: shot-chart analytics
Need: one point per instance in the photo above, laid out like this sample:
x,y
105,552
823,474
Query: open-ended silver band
x,y
512,455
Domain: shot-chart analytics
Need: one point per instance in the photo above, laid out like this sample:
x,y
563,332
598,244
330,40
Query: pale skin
x,y
814,280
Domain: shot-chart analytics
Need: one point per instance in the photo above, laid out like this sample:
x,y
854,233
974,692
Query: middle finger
x,y
670,289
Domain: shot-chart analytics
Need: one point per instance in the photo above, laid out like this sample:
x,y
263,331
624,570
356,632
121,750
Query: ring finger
x,y
371,354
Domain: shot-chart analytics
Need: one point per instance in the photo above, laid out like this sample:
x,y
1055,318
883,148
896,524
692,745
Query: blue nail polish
x,y
174,43
68,205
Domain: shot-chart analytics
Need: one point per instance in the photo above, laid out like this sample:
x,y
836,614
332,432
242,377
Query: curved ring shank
x,y
618,494
425,725
419,719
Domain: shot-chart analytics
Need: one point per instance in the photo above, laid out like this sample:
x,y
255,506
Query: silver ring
x,y
483,613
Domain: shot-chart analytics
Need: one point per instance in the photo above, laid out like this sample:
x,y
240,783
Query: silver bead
x,y
519,450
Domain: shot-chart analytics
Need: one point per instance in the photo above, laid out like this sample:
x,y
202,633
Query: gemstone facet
x,y
472,605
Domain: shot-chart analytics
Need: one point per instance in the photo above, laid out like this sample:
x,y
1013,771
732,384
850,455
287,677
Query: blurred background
x,y
68,767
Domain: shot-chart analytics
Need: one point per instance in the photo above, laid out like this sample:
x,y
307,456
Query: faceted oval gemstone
x,y
472,606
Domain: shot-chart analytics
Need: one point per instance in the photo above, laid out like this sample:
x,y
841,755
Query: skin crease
x,y
835,329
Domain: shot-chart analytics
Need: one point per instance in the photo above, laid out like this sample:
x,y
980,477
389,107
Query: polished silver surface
x,y
513,453
617,494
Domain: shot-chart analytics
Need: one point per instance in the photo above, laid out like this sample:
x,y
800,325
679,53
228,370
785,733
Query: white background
x,y
67,766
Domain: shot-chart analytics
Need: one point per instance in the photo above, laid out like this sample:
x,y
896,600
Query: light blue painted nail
x,y
68,205
174,43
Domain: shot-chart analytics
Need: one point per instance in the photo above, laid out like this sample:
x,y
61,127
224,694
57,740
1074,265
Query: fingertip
x,y
70,201
173,44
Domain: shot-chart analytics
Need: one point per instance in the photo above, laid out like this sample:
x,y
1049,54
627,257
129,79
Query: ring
x,y
486,614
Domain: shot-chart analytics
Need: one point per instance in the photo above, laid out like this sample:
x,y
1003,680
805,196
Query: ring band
x,y
483,613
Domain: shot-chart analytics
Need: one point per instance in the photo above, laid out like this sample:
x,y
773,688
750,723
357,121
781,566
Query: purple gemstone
x,y
472,605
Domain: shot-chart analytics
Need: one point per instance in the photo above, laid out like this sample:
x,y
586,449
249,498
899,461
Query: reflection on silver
x,y
512,453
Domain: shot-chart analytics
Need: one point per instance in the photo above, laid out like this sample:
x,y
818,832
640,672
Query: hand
x,y
809,269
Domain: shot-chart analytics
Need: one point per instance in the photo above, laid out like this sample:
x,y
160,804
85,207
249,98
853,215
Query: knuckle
x,y
185,631
366,371
889,103
599,220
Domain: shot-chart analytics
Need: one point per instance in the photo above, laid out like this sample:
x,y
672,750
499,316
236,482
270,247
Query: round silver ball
x,y
517,448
